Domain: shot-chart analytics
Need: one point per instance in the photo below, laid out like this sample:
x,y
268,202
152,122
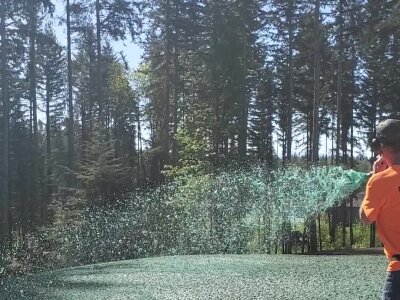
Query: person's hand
x,y
380,165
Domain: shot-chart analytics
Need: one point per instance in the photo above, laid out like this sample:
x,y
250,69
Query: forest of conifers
x,y
219,81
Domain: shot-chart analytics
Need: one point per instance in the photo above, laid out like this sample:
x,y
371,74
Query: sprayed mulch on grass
x,y
211,277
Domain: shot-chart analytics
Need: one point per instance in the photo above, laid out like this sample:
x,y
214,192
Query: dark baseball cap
x,y
388,132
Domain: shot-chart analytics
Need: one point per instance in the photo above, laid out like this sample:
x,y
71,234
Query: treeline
x,y
219,81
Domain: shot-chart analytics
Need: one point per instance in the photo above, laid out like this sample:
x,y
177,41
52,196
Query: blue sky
x,y
132,51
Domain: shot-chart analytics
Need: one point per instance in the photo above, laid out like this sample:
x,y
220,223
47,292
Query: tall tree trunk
x,y
352,135
175,112
291,83
70,101
48,154
354,84
84,130
177,87
339,112
217,120
165,129
284,144
139,143
92,82
339,82
33,19
269,132
317,89
244,105
308,139
6,130
99,69
333,143
317,92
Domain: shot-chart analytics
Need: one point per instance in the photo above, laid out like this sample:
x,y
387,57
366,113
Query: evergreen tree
x,y
304,81
34,11
284,22
70,86
52,81
263,110
5,100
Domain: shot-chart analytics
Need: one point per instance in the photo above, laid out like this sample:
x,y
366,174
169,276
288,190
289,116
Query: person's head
x,y
387,140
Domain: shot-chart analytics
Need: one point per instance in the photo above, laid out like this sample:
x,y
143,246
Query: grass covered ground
x,y
211,277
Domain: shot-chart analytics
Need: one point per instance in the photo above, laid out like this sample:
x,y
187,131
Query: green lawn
x,y
211,277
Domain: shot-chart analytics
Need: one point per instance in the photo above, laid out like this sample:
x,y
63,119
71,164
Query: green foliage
x,y
193,146
104,177
193,149
362,236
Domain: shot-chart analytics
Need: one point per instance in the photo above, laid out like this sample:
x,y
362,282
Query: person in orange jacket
x,y
382,201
